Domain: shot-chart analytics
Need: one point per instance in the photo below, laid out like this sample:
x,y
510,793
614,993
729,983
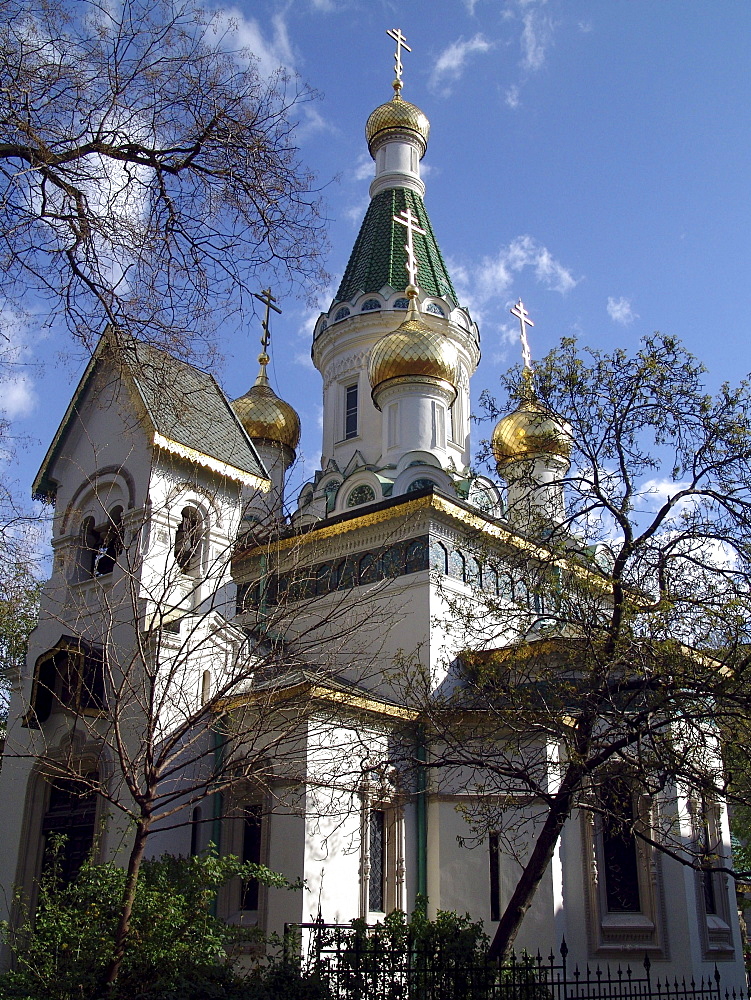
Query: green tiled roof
x,y
378,257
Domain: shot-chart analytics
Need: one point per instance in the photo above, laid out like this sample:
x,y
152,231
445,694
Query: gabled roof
x,y
188,414
378,256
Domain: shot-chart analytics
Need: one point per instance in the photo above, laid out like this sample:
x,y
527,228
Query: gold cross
x,y
524,321
407,219
268,300
401,43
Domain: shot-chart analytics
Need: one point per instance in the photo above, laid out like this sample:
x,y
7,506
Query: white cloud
x,y
620,311
272,53
512,97
495,275
311,123
537,36
363,167
451,63
17,397
325,5
355,213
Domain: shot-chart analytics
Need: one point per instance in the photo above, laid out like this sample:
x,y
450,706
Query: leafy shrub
x,y
176,946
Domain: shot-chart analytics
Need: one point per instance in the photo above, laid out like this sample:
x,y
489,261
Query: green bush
x,y
176,948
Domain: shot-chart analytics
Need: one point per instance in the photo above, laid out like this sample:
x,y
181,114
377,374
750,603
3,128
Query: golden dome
x,y
264,415
530,430
397,114
413,350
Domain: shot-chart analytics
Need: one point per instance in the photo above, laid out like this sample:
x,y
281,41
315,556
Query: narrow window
x,y
350,412
188,540
495,880
708,854
251,852
619,850
71,813
377,860
109,544
195,831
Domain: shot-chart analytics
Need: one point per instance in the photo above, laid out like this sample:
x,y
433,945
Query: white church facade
x,y
294,653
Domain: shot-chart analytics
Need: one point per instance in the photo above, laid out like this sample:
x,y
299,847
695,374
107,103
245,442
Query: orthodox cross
x,y
524,321
401,43
268,300
407,219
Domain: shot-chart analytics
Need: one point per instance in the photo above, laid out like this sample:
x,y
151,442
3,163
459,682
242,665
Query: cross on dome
x,y
408,219
268,300
401,43
522,315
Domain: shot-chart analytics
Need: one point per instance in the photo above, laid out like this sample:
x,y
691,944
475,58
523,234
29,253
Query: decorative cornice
x,y
221,468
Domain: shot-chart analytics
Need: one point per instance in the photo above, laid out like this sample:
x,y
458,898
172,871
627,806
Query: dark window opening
x,y
188,539
72,676
708,856
251,852
195,831
619,849
376,885
495,878
350,412
70,815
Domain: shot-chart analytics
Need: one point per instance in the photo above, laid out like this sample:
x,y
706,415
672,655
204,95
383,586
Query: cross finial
x,y
401,43
268,300
408,219
524,321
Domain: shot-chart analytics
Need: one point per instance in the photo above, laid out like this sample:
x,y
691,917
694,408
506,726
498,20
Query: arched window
x,y
323,579
100,545
370,305
392,562
70,676
457,567
474,572
433,307
416,556
439,557
341,314
344,575
360,495
110,544
422,484
368,568
188,540
490,578
195,831
70,814
401,304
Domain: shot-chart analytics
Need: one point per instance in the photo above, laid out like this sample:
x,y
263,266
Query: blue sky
x,y
592,157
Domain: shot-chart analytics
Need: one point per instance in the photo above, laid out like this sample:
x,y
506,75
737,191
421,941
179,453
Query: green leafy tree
x,y
619,650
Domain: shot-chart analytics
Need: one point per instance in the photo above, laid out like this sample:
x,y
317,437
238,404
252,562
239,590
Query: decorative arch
x,y
125,494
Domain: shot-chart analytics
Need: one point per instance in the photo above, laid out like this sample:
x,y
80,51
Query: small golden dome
x,y
413,350
530,430
397,114
265,416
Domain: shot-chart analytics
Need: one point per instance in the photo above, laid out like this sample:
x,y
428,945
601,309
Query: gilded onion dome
x,y
413,350
397,115
529,431
264,415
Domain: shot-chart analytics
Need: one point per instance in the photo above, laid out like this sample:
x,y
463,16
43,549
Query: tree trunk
x,y
526,887
129,895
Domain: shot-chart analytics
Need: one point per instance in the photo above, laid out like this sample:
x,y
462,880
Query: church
x,y
269,666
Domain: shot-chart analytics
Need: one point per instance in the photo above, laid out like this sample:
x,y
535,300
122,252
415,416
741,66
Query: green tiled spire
x,y
378,256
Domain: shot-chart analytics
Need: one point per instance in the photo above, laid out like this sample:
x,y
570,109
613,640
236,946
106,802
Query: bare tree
x,y
606,642
147,170
164,693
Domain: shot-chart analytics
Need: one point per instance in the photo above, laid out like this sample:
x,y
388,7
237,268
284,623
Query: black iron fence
x,y
362,963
